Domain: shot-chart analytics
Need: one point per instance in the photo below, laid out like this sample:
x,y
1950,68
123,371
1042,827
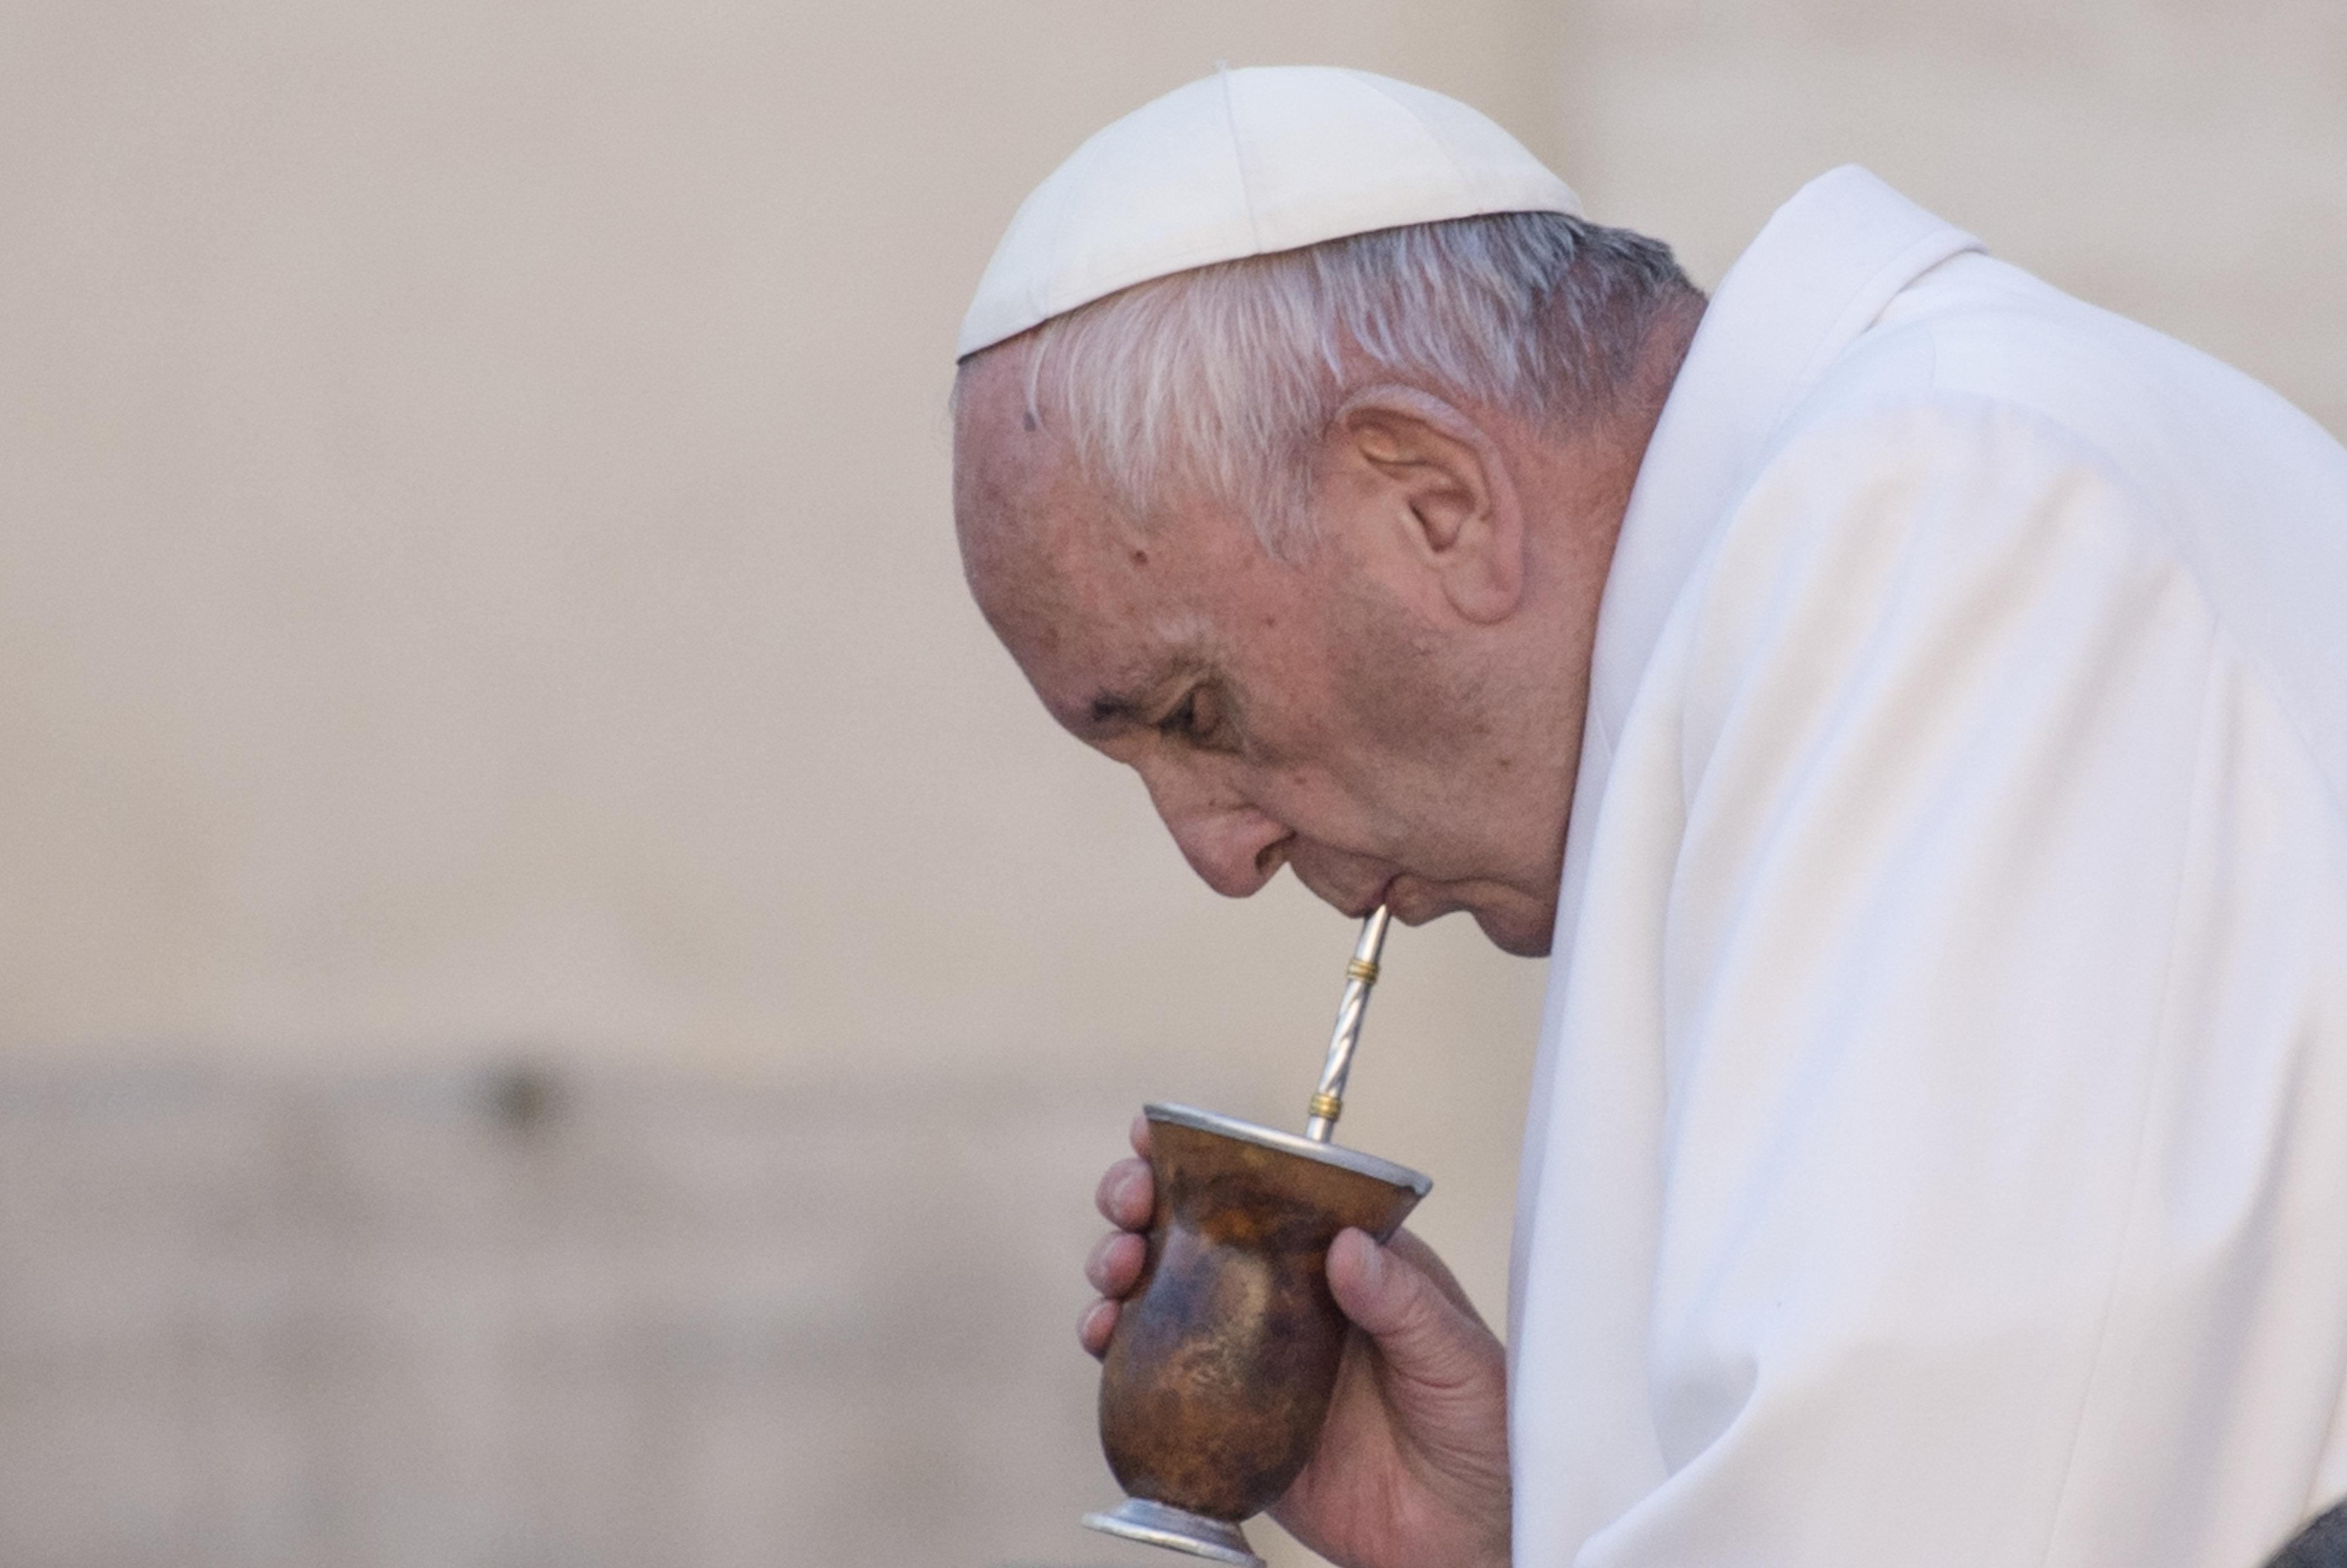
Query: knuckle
x,y
1412,1310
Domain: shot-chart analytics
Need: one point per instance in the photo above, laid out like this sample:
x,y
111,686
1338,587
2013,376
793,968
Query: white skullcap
x,y
1244,163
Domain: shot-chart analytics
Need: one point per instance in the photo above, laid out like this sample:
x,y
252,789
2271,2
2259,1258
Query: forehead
x,y
1088,600
1017,484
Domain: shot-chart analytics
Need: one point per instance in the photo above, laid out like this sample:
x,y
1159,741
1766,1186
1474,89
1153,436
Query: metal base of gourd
x,y
1160,1524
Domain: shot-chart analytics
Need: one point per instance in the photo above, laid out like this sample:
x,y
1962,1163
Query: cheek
x,y
1330,806
1392,690
1340,763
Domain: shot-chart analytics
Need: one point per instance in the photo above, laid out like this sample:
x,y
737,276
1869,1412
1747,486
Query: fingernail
x,y
1373,1261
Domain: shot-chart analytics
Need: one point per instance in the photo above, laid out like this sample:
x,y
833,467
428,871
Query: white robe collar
x,y
1815,277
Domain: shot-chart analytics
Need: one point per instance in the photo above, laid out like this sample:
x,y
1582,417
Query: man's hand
x,y
1412,1467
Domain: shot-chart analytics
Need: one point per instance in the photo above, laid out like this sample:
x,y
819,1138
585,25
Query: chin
x,y
1525,934
1516,926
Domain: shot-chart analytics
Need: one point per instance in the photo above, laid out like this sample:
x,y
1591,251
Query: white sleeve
x,y
2004,1187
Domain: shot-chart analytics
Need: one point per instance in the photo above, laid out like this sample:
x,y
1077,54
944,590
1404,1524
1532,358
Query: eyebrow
x,y
1133,706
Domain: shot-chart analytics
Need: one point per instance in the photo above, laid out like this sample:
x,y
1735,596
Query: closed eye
x,y
1196,719
1181,724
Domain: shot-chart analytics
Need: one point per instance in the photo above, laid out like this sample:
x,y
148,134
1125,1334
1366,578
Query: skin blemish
x,y
1140,557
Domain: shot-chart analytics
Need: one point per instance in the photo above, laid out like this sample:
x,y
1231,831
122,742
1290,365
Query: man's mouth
x,y
1357,909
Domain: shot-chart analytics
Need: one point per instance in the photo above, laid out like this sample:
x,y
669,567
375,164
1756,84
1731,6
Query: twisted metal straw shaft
x,y
1360,975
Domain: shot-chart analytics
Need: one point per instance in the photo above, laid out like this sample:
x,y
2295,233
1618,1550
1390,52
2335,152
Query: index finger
x,y
1140,1134
1126,1195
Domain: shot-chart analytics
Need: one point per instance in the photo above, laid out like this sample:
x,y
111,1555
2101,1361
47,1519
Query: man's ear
x,y
1439,481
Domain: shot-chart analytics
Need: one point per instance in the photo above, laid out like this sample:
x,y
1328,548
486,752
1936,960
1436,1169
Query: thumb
x,y
1418,1329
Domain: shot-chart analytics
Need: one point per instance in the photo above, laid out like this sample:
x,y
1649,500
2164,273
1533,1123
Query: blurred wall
x,y
2185,164
477,589
479,572
480,563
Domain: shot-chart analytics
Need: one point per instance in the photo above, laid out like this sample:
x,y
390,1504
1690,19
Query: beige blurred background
x,y
560,1002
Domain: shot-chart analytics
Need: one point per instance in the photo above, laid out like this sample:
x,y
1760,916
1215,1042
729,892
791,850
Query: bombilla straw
x,y
1328,1100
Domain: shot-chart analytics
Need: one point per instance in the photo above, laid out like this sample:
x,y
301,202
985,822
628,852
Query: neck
x,y
1586,481
1636,406
1592,472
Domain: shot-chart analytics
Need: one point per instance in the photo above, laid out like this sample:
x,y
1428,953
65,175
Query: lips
x,y
1358,907
1336,878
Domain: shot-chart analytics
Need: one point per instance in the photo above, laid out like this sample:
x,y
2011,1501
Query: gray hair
x,y
1217,384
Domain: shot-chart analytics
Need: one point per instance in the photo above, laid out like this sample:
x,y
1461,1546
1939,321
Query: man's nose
x,y
1233,847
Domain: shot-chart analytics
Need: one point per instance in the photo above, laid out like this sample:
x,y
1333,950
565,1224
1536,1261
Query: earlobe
x,y
1445,482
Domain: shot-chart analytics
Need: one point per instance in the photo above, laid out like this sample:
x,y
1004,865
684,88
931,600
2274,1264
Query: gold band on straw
x,y
1360,976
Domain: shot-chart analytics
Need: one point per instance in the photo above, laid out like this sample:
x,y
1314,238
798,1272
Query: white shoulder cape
x,y
1937,1150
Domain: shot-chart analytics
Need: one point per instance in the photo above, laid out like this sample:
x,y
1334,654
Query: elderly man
x,y
1908,704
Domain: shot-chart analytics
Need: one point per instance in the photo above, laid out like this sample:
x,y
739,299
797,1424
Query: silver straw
x,y
1328,1100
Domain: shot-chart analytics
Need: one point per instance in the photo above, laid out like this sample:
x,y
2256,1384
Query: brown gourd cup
x,y
1218,1375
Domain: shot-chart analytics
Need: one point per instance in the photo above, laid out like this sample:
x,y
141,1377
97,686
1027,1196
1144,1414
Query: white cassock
x,y
1938,1152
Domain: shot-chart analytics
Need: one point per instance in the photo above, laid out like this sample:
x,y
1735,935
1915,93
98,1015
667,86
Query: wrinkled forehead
x,y
1046,555
1024,513
1009,470
1086,603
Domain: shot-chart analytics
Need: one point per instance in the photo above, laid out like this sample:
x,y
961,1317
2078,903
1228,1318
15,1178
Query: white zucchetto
x,y
1244,163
